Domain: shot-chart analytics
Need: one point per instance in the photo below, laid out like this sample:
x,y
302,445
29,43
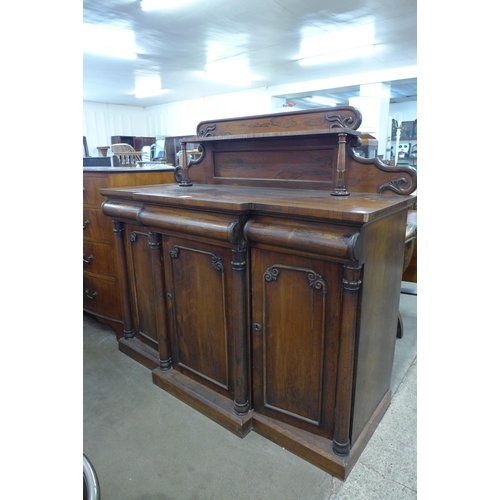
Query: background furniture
x,y
261,290
125,154
101,295
368,147
168,147
103,150
136,142
99,161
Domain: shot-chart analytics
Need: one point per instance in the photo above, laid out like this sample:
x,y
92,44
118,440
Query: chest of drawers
x,y
101,296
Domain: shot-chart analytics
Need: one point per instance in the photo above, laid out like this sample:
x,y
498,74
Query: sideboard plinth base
x,y
139,351
212,404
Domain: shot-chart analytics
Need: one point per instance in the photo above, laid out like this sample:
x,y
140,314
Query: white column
x,y
373,102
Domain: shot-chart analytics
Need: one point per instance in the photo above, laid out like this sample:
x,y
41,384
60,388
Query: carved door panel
x,y
198,281
296,304
141,282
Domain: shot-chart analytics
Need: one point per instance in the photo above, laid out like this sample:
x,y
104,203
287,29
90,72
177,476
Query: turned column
x,y
239,266
339,173
165,360
351,282
181,171
128,325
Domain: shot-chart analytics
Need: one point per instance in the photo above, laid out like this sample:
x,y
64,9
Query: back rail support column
x,y
339,173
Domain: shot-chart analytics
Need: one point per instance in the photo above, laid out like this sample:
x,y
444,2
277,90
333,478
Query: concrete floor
x,y
147,445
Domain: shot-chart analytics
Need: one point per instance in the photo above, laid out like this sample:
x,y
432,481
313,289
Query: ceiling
x,y
245,44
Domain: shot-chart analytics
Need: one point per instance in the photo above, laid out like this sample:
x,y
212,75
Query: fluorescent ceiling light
x,y
228,77
148,86
109,41
338,56
150,93
147,5
110,52
232,72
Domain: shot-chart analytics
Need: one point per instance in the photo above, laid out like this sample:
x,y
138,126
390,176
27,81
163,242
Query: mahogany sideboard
x,y
263,288
101,295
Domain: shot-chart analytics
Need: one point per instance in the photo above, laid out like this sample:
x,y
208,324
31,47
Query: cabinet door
x,y
198,282
141,282
296,304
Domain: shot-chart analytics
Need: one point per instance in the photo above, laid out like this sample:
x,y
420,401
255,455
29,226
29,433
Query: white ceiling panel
x,y
249,44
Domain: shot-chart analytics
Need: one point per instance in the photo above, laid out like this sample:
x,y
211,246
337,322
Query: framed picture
x,y
408,130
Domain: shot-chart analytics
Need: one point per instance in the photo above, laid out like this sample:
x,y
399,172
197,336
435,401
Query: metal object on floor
x,y
91,490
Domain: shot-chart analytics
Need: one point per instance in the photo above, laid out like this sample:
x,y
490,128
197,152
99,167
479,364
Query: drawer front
x,y
101,296
91,186
99,258
96,225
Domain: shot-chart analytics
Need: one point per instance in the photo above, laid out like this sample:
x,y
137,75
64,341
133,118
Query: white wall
x,y
101,121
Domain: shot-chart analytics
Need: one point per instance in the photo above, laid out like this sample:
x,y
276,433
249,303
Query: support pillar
x,y
342,421
373,102
165,360
128,325
241,385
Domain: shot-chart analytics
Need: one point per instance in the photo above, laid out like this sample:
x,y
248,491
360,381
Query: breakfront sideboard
x,y
263,287
101,293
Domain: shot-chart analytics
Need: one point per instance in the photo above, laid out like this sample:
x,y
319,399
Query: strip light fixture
x,y
338,56
109,41
147,5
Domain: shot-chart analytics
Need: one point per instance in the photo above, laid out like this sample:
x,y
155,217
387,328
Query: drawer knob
x,y
87,261
91,297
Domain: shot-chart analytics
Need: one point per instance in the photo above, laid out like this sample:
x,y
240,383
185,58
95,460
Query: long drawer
x,y
99,258
96,225
91,186
101,296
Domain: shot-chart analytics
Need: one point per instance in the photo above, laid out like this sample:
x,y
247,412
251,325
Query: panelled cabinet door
x,y
295,323
198,283
141,282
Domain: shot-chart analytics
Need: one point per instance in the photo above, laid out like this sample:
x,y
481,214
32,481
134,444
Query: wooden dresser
x,y
101,295
263,288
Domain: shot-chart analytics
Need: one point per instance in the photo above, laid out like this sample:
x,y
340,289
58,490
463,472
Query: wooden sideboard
x,y
263,288
101,295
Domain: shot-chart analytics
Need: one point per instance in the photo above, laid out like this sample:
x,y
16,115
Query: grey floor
x,y
147,445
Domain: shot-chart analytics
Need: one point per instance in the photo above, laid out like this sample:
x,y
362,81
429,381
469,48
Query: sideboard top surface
x,y
356,208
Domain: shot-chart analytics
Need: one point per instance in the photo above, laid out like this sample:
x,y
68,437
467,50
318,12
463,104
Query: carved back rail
x,y
297,150
339,116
